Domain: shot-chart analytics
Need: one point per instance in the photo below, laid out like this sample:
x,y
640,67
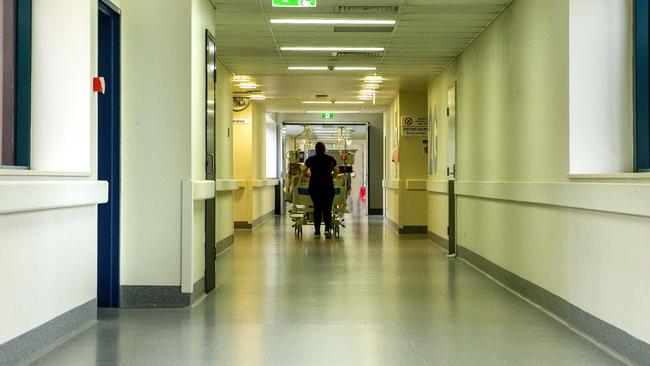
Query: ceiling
x,y
427,36
326,133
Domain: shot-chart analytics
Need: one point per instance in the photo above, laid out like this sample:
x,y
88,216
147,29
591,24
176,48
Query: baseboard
x,y
225,244
616,339
198,291
413,230
264,218
243,225
393,225
148,297
29,346
439,241
375,212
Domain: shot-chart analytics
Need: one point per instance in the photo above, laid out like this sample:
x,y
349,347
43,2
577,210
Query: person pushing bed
x,y
323,170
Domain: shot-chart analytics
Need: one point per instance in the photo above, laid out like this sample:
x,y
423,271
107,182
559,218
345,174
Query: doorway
x,y
108,216
210,159
451,166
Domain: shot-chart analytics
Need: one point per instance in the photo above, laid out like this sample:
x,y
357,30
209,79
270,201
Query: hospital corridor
x,y
324,182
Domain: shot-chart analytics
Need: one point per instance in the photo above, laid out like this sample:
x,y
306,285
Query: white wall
x,y
601,86
48,257
516,206
271,146
156,138
61,89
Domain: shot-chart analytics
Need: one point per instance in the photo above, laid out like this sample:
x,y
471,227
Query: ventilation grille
x,y
358,54
369,9
363,29
321,96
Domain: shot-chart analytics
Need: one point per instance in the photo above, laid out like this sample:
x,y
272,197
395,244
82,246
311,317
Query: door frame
x,y
210,204
452,123
108,217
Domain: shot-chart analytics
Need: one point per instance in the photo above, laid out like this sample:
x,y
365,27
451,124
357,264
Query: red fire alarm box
x,y
99,85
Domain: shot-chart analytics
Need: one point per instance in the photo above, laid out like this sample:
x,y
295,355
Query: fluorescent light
x,y
373,79
241,79
366,97
371,86
355,68
345,102
258,97
334,49
248,86
334,21
368,92
334,112
309,68
315,102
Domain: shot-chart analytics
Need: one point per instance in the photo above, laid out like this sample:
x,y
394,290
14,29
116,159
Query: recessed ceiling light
x,y
316,102
334,49
258,97
373,79
366,97
371,86
241,79
309,68
346,102
334,21
368,92
248,86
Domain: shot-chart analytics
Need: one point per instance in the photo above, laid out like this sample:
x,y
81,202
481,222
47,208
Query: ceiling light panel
x,y
333,49
335,21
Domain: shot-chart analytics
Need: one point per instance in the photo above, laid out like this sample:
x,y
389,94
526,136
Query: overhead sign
x,y
327,115
294,3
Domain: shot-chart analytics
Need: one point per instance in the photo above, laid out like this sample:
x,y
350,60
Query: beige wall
x,y
405,200
224,130
516,205
249,159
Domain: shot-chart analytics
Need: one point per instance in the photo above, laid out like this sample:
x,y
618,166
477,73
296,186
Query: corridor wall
x,y
405,179
48,214
255,200
521,216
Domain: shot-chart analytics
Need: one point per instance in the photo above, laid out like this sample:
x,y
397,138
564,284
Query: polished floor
x,y
369,298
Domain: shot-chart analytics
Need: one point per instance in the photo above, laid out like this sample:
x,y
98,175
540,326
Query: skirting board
x,y
198,291
38,341
223,245
375,212
264,218
148,297
406,229
617,340
439,241
259,221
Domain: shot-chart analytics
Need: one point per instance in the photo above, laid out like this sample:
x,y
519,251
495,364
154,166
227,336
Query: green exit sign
x,y
294,3
327,115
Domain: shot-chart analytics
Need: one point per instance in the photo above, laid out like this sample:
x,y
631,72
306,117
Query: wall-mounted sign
x,y
240,121
294,3
415,131
327,115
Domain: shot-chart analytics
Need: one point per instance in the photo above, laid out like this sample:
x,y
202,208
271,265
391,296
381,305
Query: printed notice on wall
x,y
241,121
415,131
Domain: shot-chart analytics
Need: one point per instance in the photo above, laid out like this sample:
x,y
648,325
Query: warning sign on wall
x,y
415,126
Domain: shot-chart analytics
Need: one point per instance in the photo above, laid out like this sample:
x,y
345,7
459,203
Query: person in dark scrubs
x,y
323,169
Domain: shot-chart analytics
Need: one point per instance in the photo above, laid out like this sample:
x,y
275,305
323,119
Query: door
x,y
210,163
451,166
108,215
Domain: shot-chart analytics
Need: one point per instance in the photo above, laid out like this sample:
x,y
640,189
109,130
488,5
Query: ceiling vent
x,y
357,29
321,96
357,54
369,9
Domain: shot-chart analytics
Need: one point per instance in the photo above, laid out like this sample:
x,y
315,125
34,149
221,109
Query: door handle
x,y
210,163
